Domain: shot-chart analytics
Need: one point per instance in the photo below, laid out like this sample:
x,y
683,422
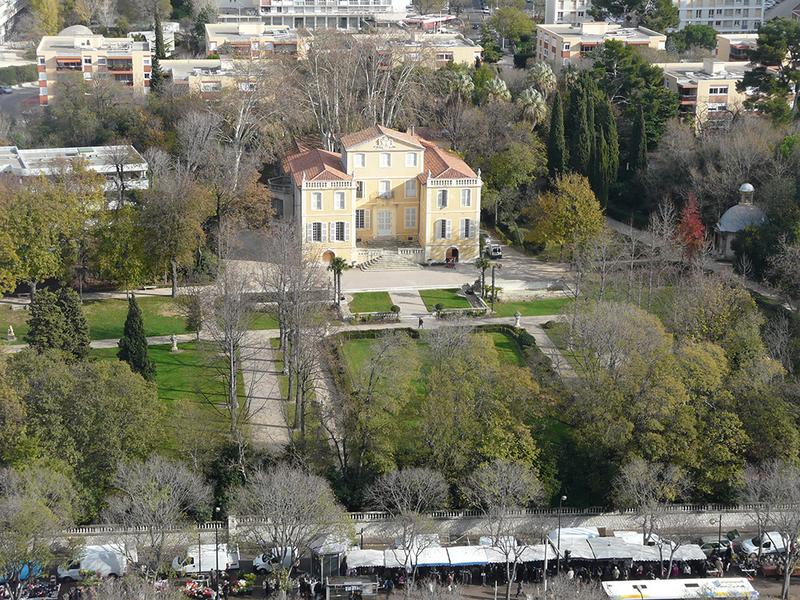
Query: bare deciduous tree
x,y
288,510
500,489
648,489
153,504
406,495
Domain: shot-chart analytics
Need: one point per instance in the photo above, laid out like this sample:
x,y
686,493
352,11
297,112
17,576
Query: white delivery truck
x,y
204,558
105,560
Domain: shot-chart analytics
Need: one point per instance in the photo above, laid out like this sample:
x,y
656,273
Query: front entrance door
x,y
384,222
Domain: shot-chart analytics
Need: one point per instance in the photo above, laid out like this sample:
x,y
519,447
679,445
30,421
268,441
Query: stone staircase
x,y
389,261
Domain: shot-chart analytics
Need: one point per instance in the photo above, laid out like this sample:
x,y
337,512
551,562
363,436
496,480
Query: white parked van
x,y
272,560
770,542
206,558
108,560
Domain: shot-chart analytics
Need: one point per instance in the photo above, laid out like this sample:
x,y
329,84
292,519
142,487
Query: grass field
x,y
370,302
531,308
447,298
106,318
187,385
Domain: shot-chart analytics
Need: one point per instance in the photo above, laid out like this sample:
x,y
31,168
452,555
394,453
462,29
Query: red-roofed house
x,y
387,191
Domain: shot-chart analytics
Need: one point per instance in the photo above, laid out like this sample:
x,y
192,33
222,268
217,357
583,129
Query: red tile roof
x,y
443,165
376,131
316,165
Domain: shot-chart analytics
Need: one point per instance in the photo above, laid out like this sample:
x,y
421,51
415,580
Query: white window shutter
x,y
324,232
332,236
366,219
309,232
449,228
464,228
347,231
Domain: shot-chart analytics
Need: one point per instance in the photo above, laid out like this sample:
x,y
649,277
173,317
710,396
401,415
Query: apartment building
x,y
312,14
561,45
206,76
387,191
706,91
77,50
567,11
169,29
726,16
431,49
244,40
735,47
120,165
9,11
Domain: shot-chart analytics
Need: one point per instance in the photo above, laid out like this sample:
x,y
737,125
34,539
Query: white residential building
x,y
567,11
170,28
9,11
313,14
109,161
726,16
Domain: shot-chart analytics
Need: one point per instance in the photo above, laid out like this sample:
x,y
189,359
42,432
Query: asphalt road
x,y
20,101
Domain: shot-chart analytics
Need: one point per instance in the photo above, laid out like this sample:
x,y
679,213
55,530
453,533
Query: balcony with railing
x,y
119,66
68,64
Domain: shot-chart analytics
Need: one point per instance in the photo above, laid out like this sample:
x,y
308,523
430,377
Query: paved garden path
x,y
410,303
266,406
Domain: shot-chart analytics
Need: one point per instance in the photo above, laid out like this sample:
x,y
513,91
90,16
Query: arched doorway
x,y
452,255
328,256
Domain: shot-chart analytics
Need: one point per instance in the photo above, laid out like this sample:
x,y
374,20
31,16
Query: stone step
x,y
389,262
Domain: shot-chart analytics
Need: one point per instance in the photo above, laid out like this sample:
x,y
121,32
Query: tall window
x,y
466,198
410,215
316,200
315,232
384,188
411,159
362,218
386,159
411,188
338,231
359,189
359,160
442,229
441,198
466,228
338,200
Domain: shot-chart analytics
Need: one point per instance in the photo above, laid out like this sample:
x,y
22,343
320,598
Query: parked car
x,y
205,558
493,251
107,560
770,542
5,90
276,558
713,545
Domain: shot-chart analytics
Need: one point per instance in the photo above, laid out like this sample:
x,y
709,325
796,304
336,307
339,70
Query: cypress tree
x,y
77,339
133,345
47,328
607,125
156,76
580,138
637,159
159,31
601,180
556,144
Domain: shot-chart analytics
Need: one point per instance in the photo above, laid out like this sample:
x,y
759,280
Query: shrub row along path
x,y
267,408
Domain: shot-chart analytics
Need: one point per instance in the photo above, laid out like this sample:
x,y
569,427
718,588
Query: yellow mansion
x,y
387,191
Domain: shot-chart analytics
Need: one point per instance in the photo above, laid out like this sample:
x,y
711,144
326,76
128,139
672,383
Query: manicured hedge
x,y
18,74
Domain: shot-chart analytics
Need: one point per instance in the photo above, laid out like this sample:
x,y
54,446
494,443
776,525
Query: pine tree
x,y
47,328
77,339
580,138
133,345
556,144
156,76
637,160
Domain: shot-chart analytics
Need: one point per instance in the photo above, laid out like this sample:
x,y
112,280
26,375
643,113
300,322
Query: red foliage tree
x,y
690,227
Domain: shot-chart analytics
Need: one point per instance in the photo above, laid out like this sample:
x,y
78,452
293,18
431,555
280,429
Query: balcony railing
x,y
119,65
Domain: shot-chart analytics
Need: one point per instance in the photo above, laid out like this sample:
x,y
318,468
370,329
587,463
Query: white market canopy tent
x,y
612,548
464,556
364,558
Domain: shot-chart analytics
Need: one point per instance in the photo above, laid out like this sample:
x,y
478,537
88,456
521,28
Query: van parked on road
x,y
205,558
106,560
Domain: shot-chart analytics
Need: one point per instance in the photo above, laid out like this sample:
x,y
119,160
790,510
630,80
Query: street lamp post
x,y
719,530
494,289
216,545
558,539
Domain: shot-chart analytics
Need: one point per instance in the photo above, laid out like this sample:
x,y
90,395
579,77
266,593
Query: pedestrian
x,y
615,572
266,585
570,574
519,588
483,572
419,323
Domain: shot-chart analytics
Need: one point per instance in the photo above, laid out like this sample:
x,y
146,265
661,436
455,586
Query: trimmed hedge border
x,y
18,74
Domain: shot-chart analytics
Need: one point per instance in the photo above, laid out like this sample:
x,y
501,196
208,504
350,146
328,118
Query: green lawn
x,y
188,385
106,318
447,298
532,308
370,302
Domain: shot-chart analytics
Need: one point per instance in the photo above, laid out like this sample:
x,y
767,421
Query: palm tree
x,y
482,263
336,266
497,89
534,106
541,76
